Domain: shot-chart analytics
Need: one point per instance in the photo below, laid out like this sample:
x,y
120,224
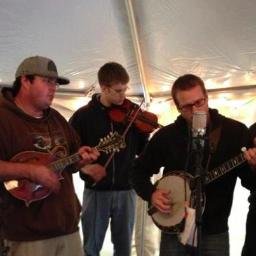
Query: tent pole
x,y
137,49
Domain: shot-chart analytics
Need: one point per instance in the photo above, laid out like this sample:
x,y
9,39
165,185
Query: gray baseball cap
x,y
41,66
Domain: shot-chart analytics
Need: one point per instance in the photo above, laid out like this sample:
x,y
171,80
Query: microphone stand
x,y
198,148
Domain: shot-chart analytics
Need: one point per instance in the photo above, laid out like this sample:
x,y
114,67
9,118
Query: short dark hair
x,y
17,84
186,82
112,73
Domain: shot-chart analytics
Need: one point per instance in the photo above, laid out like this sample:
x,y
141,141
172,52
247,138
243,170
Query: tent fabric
x,y
213,39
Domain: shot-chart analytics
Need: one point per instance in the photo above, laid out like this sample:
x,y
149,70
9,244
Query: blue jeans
x,y
212,245
100,207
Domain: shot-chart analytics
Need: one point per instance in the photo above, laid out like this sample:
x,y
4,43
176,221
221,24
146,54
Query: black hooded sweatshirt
x,y
92,122
170,148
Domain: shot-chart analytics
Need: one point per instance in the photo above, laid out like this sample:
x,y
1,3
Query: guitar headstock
x,y
113,142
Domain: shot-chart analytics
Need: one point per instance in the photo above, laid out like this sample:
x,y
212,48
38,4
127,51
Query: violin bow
x,y
125,132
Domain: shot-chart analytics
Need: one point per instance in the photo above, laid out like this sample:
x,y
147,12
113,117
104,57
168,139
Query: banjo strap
x,y
214,138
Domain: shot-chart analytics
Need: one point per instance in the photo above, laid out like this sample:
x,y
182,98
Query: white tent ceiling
x,y
157,41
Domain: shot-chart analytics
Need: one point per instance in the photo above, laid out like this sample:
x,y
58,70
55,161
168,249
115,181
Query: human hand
x,y
88,155
95,171
250,156
160,199
42,175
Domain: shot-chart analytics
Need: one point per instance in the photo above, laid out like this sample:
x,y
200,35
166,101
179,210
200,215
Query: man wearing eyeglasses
x,y
39,213
112,199
172,148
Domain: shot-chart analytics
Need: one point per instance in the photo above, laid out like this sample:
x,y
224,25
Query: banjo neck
x,y
224,168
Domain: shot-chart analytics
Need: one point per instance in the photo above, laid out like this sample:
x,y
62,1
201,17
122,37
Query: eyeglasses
x,y
188,107
119,91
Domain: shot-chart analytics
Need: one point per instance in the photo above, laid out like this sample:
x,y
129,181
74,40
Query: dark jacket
x,y
92,122
170,148
252,134
249,242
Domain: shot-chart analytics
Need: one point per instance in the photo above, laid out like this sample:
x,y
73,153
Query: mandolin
x,y
28,191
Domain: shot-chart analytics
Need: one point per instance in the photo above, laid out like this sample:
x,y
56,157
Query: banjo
x,y
182,194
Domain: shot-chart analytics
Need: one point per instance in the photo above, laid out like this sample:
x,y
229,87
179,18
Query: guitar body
x,y
24,189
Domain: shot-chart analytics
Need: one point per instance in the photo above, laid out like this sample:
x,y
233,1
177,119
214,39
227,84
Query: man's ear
x,y
25,82
177,107
104,88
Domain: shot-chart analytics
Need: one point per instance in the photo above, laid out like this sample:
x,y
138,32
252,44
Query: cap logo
x,y
52,66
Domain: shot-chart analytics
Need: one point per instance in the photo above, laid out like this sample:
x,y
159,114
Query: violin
x,y
130,113
144,121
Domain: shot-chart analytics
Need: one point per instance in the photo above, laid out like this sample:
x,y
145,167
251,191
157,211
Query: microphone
x,y
199,128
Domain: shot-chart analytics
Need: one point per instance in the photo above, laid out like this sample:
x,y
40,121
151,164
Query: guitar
x,y
182,193
29,192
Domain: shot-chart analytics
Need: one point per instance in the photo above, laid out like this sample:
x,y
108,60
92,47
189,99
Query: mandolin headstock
x,y
113,142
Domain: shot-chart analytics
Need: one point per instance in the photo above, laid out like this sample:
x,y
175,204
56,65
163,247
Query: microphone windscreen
x,y
199,123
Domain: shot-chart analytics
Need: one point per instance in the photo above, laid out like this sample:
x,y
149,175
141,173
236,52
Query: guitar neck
x,y
224,168
61,164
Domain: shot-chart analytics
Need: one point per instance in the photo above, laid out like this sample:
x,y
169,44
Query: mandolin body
x,y
24,189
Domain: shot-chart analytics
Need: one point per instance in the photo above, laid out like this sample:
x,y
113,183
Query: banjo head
x,y
178,185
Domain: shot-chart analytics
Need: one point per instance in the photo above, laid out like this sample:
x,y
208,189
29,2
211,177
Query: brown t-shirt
x,y
58,214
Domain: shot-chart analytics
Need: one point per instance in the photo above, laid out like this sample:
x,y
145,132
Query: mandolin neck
x,y
61,164
111,143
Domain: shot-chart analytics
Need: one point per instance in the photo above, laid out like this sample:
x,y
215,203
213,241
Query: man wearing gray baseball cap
x,y
41,66
39,213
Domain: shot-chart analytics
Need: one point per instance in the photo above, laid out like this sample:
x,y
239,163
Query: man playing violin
x,y
30,126
172,148
111,199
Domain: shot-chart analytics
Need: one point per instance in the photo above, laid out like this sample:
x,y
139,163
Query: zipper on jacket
x,y
113,160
